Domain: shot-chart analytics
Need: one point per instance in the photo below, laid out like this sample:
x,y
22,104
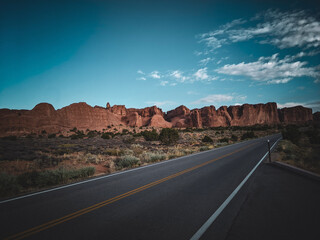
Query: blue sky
x,y
164,53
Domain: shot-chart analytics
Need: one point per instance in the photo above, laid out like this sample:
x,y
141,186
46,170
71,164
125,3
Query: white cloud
x,y
282,29
211,99
178,75
140,72
315,106
271,70
160,103
164,83
142,78
205,61
155,74
192,93
289,104
201,74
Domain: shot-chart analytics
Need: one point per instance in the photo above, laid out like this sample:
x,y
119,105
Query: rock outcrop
x,y
316,117
295,115
82,116
244,115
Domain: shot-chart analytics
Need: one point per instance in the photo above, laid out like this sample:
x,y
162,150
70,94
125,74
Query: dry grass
x,y
305,157
126,149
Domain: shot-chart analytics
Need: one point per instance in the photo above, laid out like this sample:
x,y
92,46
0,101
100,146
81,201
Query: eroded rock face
x,y
244,115
82,116
295,115
316,117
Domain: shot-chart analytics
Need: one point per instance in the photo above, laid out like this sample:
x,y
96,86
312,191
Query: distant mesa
x,y
82,116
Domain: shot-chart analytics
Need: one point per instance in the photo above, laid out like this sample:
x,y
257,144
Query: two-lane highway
x,y
167,200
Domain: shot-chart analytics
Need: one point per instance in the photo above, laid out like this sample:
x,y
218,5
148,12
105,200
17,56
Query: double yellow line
x,y
68,217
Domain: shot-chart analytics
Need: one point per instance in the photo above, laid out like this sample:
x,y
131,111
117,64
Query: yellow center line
x,y
70,216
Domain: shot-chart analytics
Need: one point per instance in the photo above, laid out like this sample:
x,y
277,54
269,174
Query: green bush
x,y
234,138
126,161
105,136
91,134
248,135
125,131
8,184
292,133
313,136
53,135
207,139
52,177
78,135
226,140
169,136
150,135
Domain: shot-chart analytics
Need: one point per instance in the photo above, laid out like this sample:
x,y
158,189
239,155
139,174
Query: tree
x,y
207,139
150,135
169,136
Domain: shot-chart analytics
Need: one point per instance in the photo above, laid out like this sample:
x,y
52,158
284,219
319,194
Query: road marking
x,y
70,216
114,174
214,216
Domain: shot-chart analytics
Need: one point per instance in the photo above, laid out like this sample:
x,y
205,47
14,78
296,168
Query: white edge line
x,y
115,174
214,216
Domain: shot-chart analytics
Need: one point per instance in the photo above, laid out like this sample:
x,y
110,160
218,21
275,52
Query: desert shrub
x,y
30,136
234,138
129,140
11,138
8,184
207,139
113,151
92,158
152,157
292,133
169,136
137,149
313,136
226,140
125,131
107,135
204,148
150,135
248,135
73,129
91,134
53,177
77,135
53,135
126,161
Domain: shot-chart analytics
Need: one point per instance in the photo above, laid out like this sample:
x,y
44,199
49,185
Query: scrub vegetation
x,y
300,147
34,162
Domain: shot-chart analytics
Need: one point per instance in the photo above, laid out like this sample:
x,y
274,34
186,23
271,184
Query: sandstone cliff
x,y
82,116
295,115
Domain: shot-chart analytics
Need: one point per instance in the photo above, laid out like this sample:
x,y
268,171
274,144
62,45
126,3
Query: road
x,y
167,200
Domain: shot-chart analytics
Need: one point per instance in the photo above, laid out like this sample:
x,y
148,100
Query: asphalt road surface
x,y
167,200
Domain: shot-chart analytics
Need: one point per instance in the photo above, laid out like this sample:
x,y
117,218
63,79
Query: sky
x,y
164,53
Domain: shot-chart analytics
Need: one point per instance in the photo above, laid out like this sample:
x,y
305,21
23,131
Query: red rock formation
x,y
83,116
316,117
295,115
247,114
244,115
